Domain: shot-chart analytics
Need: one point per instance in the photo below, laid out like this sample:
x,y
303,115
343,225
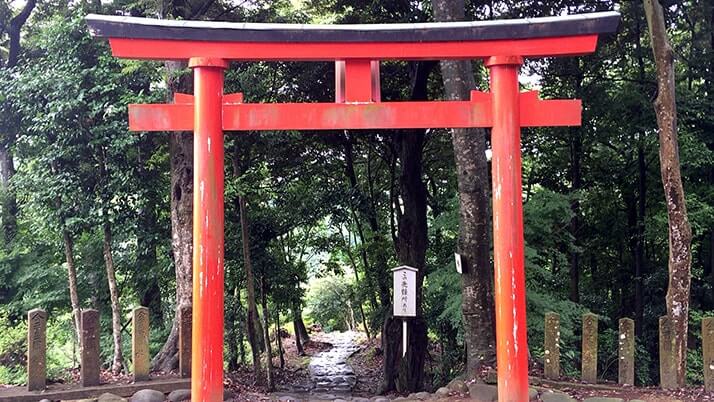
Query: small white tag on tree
x,y
459,268
404,291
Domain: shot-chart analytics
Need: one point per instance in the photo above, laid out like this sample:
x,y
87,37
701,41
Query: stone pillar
x,y
36,349
185,319
140,343
708,346
626,368
667,359
551,360
589,353
89,373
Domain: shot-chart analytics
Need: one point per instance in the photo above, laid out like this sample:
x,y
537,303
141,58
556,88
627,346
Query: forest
x,y
95,216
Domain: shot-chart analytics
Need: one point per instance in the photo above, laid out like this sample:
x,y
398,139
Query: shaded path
x,y
329,370
330,375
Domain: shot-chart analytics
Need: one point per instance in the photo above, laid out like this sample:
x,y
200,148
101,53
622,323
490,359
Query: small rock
x,y
483,392
491,377
107,397
179,395
45,400
227,395
532,394
457,385
423,395
148,395
556,397
601,399
443,391
360,400
379,399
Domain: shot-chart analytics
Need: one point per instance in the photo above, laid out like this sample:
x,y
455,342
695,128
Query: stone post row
x,y
36,349
708,349
89,373
667,359
185,322
589,353
140,343
90,356
626,358
552,346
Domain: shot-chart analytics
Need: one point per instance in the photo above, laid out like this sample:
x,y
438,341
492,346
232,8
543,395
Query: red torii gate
x,y
357,50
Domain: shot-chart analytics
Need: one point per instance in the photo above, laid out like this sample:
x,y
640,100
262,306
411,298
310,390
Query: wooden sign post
x,y
404,298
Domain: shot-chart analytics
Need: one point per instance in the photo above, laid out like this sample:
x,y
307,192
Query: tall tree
x,y
254,336
181,166
474,217
680,233
266,336
240,163
117,359
407,373
10,128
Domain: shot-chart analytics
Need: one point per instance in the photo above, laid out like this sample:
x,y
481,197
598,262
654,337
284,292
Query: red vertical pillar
x,y
510,282
207,336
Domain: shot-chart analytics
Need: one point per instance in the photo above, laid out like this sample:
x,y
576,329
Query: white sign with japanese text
x,y
459,267
404,291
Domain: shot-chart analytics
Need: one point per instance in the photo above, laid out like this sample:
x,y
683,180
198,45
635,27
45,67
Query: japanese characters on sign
x,y
404,291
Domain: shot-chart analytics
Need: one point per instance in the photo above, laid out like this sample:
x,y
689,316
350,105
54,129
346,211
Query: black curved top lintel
x,y
106,26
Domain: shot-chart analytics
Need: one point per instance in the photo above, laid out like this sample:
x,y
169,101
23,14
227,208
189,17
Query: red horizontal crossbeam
x,y
164,49
239,116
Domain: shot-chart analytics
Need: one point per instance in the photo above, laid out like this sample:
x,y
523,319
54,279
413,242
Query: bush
x,y
13,350
330,301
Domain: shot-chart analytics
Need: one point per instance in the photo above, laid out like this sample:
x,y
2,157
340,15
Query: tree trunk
x,y
357,285
118,359
7,139
474,215
411,247
278,339
377,272
630,199
181,165
252,316
298,343
639,253
145,279
576,155
680,233
9,202
231,329
710,273
351,324
241,345
268,346
239,325
297,318
72,276
576,146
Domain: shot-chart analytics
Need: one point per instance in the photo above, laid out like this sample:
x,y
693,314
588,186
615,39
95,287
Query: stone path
x,y
329,370
331,377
